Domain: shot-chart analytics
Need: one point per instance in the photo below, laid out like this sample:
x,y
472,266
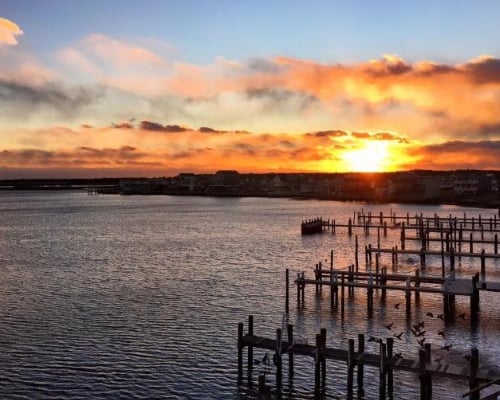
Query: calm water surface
x,y
113,297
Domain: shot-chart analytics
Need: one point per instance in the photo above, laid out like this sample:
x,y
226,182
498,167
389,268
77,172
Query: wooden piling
x,y
351,362
360,367
250,346
317,366
390,374
240,350
408,297
287,291
356,253
473,381
289,329
382,371
483,266
277,359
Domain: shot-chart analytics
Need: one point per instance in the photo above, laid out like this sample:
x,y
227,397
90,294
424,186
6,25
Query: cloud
x,y
155,126
8,32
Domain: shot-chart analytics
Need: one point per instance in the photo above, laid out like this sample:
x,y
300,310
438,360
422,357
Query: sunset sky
x,y
154,88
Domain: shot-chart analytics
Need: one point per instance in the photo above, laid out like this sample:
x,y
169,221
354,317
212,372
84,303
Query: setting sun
x,y
373,157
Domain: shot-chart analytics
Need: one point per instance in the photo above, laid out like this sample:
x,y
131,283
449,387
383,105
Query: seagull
x,y
389,325
421,342
397,305
447,347
429,314
441,333
421,333
399,335
440,316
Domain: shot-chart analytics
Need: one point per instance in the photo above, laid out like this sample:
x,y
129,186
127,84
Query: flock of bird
x,y
421,335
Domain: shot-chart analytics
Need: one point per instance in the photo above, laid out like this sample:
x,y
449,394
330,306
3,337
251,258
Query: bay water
x,y
117,297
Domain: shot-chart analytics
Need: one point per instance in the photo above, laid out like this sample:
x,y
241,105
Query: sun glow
x,y
373,157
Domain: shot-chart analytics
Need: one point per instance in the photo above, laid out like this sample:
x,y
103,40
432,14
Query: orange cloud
x,y
8,32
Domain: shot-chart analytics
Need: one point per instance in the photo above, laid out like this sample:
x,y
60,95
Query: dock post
x,y
483,266
322,356
382,371
317,366
390,374
417,285
385,228
298,289
383,283
359,362
279,370
381,220
356,253
351,362
332,290
350,280
428,375
422,374
471,243
349,227
316,277
408,297
452,258
403,236
342,295
443,272
287,291
496,243
302,287
473,381
474,300
240,350
289,329
331,259
369,296
422,257
250,346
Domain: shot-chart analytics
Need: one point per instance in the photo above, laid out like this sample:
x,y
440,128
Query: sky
x,y
95,88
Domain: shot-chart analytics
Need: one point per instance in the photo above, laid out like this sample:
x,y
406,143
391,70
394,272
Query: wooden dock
x,y
425,366
453,235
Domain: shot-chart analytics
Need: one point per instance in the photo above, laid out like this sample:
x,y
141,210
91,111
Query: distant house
x,y
226,178
224,183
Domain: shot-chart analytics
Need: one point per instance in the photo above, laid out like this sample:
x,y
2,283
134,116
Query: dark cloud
x,y
206,129
264,65
459,146
123,125
66,101
486,70
379,136
328,133
278,98
155,126
245,148
361,135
